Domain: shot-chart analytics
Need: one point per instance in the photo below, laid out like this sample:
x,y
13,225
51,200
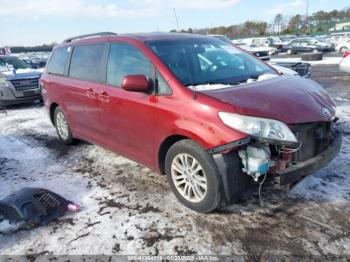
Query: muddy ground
x,y
127,209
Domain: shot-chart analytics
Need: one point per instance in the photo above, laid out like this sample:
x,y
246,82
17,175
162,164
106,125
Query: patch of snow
x,y
221,86
208,87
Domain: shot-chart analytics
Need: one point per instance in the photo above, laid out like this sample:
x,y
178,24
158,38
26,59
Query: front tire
x,y
62,127
193,176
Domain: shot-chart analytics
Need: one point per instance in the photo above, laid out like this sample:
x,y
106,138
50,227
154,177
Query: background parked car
x,y
269,44
345,62
341,47
18,82
299,68
289,68
261,52
339,37
307,44
35,63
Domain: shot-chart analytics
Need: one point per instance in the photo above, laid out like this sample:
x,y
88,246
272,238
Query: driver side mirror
x,y
135,83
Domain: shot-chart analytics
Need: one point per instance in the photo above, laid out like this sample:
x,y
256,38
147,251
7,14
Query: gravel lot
x,y
127,209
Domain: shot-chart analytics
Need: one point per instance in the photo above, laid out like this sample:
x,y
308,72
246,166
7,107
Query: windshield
x,y
11,62
201,61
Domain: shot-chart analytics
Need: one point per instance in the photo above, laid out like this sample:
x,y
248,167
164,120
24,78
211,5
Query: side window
x,y
162,85
125,59
58,61
87,63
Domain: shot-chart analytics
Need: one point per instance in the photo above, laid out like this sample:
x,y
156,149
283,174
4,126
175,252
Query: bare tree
x,y
278,22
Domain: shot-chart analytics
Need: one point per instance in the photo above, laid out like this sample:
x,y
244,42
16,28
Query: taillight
x,y
346,53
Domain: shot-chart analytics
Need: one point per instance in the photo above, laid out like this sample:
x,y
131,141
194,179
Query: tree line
x,y
23,49
320,21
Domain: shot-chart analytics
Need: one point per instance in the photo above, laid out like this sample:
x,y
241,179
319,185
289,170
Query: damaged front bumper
x,y
298,170
294,170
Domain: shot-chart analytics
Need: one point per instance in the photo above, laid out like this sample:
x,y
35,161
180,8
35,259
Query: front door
x,y
128,117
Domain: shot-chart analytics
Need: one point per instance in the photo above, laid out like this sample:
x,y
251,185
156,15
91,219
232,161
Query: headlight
x,y
259,127
3,82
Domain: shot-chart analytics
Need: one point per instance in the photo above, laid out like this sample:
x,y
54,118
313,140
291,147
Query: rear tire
x,y
62,127
193,176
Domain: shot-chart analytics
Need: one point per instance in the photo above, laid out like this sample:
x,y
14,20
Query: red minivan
x,y
210,116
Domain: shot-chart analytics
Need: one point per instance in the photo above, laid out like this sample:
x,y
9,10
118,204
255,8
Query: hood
x,y
290,99
22,73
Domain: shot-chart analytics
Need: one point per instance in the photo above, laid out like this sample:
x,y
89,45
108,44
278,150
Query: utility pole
x,y
177,21
307,16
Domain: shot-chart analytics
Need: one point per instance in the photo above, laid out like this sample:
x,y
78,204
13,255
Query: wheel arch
x,y
53,107
164,148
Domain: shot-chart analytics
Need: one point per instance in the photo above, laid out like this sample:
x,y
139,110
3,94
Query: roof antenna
x,y
177,21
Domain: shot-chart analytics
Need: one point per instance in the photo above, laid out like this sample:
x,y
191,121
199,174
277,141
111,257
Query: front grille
x,y
25,84
315,138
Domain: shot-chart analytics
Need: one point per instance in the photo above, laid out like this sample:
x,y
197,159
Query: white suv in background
x,y
345,62
341,47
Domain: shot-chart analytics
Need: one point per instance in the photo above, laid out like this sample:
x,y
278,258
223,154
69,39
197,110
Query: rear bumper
x,y
299,170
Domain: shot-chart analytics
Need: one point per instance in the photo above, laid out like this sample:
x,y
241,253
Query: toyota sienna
x,y
209,115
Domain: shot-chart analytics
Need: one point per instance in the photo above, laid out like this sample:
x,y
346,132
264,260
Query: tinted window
x,y
123,60
58,61
87,63
201,61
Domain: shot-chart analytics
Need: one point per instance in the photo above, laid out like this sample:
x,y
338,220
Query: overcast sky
x,y
32,22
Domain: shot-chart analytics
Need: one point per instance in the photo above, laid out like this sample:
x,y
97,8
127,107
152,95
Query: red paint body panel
x,y
135,124
289,99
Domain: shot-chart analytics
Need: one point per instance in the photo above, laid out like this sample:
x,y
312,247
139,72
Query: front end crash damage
x,y
318,143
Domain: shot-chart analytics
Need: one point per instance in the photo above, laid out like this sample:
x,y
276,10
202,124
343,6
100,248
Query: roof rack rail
x,y
88,35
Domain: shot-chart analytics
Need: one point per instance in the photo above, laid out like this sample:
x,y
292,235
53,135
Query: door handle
x,y
91,93
104,97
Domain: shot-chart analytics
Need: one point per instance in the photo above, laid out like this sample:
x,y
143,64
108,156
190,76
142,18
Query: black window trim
x,y
104,63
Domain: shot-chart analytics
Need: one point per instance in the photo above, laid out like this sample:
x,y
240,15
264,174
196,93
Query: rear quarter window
x,y
58,61
87,63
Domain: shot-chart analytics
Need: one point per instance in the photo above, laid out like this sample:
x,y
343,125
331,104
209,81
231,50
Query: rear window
x,y
58,61
87,63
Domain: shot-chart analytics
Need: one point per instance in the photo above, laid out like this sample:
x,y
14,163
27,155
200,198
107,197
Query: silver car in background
x,y
19,83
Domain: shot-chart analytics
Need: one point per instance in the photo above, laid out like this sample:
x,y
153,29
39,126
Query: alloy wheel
x,y
189,177
62,126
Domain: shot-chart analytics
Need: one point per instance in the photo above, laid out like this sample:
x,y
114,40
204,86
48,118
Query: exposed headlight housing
x,y
259,127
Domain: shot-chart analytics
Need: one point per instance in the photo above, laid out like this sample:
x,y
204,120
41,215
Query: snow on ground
x,y
128,209
325,61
